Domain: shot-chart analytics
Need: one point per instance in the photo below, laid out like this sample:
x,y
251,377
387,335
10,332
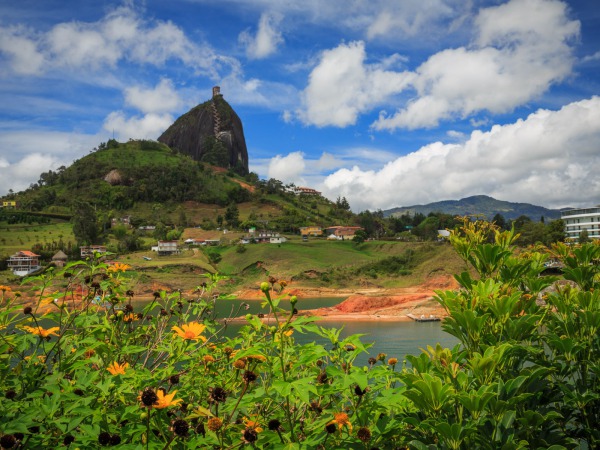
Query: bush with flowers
x,y
81,368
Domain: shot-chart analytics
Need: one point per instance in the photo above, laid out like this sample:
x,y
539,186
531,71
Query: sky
x,y
387,103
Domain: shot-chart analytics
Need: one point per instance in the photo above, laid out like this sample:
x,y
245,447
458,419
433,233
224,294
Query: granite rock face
x,y
211,132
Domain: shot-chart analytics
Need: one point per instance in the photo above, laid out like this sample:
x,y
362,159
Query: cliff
x,y
211,132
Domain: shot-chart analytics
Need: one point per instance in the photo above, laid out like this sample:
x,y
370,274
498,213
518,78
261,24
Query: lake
x,y
395,339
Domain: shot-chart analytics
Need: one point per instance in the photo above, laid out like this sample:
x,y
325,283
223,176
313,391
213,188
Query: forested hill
x,y
478,205
119,175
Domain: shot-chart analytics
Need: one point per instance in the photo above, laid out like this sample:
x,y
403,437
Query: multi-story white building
x,y
577,220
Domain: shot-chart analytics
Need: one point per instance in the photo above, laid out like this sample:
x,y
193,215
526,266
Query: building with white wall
x,y
577,220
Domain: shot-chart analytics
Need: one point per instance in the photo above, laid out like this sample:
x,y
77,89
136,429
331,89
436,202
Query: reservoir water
x,y
395,339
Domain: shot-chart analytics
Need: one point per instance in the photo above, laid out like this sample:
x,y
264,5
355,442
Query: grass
x,y
16,237
317,263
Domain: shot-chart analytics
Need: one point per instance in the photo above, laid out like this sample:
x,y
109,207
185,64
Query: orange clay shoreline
x,y
372,304
368,304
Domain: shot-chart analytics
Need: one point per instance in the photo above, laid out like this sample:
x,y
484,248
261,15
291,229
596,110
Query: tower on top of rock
x,y
210,132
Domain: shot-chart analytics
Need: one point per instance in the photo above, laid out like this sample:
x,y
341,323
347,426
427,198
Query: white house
x,y
577,220
167,248
277,239
23,263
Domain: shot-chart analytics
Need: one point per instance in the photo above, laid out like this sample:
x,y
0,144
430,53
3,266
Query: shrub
x,y
81,366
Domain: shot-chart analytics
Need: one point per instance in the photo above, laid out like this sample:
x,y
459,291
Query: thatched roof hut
x,y
59,259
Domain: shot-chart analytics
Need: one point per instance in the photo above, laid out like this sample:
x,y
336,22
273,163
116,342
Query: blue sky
x,y
388,103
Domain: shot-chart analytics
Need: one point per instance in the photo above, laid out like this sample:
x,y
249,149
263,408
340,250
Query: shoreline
x,y
358,305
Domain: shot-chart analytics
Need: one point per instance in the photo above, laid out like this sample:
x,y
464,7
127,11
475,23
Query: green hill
x,y
481,205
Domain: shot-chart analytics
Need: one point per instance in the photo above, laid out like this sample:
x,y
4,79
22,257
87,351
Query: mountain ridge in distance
x,y
479,205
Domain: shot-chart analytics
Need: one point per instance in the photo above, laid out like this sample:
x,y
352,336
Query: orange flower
x,y
129,317
208,359
214,424
260,358
393,361
117,369
252,424
118,267
341,419
190,331
5,288
166,400
41,331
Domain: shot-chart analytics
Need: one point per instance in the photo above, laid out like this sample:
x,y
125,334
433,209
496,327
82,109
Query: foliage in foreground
x,y
92,372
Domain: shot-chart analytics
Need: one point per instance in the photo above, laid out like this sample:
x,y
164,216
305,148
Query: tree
x,y
85,223
500,221
359,237
232,216
584,236
555,232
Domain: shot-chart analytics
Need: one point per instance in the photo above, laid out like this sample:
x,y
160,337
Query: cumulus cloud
x,y
121,35
20,50
517,51
343,85
162,98
407,18
520,49
289,168
550,158
267,37
148,126
22,166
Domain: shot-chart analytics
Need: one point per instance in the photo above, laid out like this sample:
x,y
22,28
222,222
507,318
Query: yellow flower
x,y
47,301
190,331
341,419
117,369
118,267
260,358
166,400
41,331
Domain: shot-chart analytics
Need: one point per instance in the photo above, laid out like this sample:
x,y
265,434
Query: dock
x,y
423,318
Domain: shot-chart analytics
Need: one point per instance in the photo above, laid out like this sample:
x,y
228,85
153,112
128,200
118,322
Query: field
x,y
22,236
316,263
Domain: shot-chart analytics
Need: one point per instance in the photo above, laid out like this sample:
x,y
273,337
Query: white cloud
x,y
590,58
288,169
407,18
549,159
35,151
163,98
520,49
21,50
267,38
121,35
149,126
457,135
342,86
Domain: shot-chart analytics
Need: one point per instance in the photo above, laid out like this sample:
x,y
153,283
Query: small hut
x,y
59,259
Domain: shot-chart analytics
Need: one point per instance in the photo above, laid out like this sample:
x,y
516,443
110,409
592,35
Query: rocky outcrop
x,y
211,132
113,177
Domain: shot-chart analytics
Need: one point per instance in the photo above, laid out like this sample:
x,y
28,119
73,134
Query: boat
x,y
424,318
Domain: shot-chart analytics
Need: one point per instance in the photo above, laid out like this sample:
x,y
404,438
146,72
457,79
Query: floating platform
x,y
423,318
